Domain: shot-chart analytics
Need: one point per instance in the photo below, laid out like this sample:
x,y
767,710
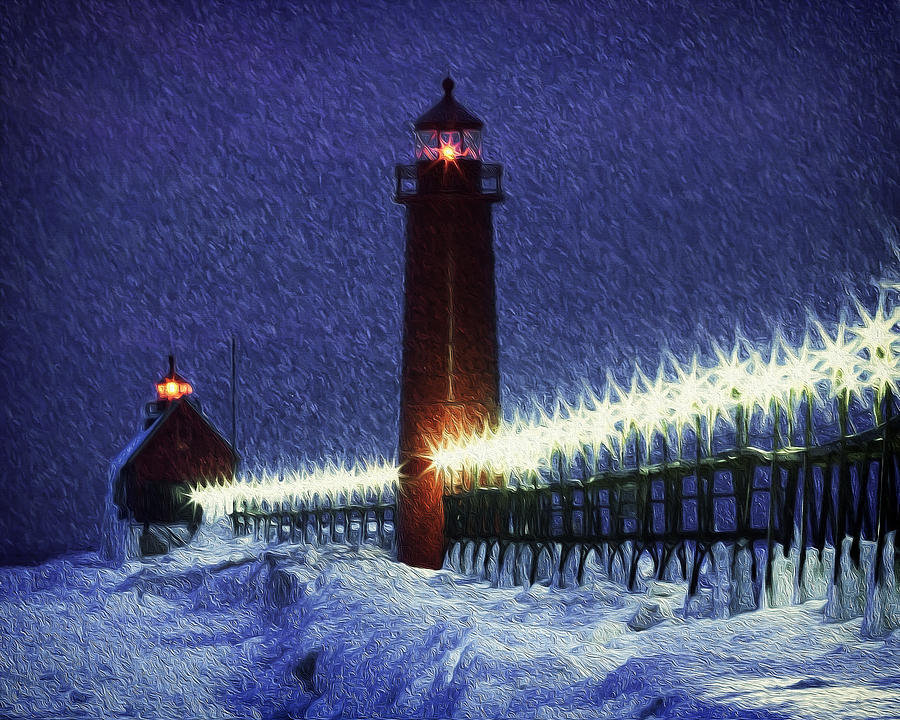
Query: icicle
x,y
720,572
555,563
492,566
506,577
594,569
568,573
544,571
741,583
467,563
782,591
618,570
451,562
847,598
882,614
522,572
479,569
814,583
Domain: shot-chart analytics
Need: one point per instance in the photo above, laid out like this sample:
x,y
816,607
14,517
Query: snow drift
x,y
229,628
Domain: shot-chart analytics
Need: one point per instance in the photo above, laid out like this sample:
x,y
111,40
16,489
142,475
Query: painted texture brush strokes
x,y
176,174
240,629
676,176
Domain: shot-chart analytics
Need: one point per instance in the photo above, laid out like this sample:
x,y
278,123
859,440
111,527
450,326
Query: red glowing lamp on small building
x,y
173,385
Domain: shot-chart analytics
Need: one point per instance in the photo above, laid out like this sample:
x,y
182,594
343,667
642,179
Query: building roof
x,y
448,114
130,449
137,443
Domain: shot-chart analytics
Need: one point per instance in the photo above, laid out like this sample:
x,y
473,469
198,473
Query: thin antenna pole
x,y
234,393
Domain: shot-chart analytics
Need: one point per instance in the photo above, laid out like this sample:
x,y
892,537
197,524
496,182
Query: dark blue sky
x,y
172,175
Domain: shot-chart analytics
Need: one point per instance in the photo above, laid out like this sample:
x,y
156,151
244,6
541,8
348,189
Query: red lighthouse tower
x,y
450,378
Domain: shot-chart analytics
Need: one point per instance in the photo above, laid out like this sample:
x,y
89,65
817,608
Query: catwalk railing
x,y
328,521
778,498
764,491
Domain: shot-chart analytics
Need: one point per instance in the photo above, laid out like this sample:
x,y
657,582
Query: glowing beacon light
x,y
172,386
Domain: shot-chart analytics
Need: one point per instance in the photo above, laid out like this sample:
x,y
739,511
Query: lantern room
x,y
448,131
173,385
448,154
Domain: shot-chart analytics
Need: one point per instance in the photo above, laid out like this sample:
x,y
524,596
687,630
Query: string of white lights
x,y
859,361
364,483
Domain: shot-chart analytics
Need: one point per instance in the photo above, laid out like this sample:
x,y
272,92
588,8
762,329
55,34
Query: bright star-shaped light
x,y
801,369
731,381
883,376
877,336
772,383
839,361
651,407
293,487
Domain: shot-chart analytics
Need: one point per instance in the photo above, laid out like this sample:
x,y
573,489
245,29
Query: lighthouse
x,y
450,378
151,478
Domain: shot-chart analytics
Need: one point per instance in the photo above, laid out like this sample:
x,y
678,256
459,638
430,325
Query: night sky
x,y
174,175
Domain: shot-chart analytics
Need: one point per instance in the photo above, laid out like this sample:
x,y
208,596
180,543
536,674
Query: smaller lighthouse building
x,y
152,476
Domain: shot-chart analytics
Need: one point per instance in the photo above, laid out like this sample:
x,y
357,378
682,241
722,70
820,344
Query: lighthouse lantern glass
x,y
171,389
448,144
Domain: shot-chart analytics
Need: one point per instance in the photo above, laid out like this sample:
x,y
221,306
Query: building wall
x,y
183,451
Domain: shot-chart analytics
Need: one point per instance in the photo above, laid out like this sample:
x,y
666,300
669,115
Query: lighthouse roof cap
x,y
448,114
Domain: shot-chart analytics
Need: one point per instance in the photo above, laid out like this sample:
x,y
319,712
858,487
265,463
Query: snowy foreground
x,y
233,629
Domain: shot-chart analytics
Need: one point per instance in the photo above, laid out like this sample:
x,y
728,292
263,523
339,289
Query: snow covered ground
x,y
229,628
